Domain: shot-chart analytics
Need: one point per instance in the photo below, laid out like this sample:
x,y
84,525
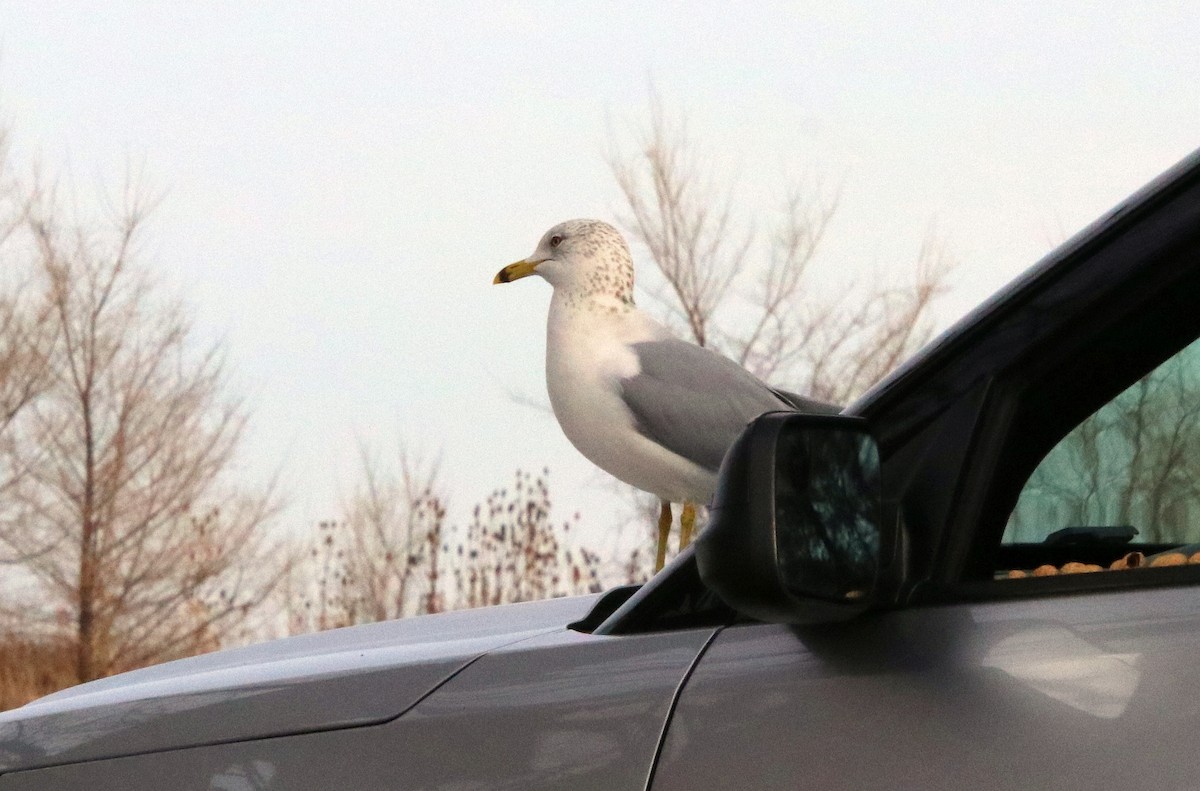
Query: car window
x,y
1123,487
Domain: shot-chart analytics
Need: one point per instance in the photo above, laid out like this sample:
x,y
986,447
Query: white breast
x,y
587,354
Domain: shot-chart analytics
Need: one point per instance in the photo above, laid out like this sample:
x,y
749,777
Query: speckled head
x,y
579,258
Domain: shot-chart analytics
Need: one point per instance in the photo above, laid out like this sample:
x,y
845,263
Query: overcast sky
x,y
343,180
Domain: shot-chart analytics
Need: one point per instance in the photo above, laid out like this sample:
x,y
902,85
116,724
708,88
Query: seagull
x,y
652,410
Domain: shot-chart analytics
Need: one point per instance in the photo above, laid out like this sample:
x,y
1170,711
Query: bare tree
x,y
727,285
127,514
688,228
390,519
381,559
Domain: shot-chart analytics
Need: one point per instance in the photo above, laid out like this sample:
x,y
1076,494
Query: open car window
x,y
1122,489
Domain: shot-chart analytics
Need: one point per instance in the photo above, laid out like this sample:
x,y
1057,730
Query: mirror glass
x,y
827,511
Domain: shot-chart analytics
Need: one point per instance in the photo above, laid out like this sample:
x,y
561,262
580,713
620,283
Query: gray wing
x,y
694,401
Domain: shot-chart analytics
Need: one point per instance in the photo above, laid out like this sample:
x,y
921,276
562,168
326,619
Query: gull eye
x,y
555,240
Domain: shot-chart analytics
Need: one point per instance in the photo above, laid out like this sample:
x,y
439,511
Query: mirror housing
x,y
797,530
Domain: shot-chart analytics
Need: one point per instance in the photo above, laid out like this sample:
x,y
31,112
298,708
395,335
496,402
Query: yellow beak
x,y
515,271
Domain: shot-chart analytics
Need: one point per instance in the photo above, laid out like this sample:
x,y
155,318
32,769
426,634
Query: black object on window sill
x,y
1092,534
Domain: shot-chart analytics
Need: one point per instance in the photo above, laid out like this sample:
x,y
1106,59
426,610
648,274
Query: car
x,y
981,574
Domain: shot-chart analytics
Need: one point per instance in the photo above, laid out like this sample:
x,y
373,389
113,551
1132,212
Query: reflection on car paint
x,y
253,775
1065,667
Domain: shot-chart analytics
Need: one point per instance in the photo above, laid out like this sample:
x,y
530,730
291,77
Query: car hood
x,y
342,678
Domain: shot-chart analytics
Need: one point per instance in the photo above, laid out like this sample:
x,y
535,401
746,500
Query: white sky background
x,y
343,180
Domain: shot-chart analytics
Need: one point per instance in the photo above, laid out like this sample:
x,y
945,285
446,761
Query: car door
x,y
1056,430
1090,692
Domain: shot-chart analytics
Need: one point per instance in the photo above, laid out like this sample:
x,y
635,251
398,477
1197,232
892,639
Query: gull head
x,y
579,258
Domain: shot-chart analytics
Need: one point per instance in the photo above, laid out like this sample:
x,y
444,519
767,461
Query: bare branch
x,y
687,229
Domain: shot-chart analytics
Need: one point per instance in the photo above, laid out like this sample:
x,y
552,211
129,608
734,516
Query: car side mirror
x,y
796,532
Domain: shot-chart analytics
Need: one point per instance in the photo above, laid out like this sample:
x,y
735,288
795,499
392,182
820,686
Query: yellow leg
x,y
687,523
664,532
